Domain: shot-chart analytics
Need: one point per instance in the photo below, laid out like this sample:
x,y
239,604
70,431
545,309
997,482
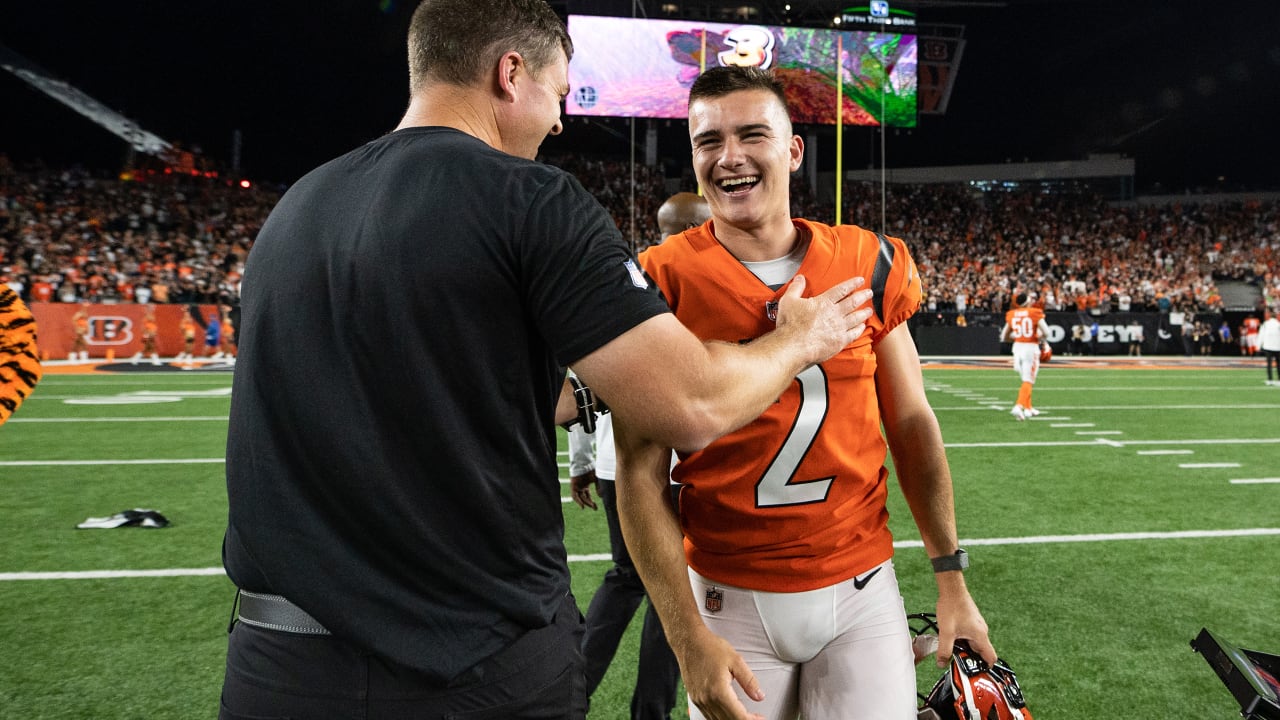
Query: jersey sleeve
x,y
903,289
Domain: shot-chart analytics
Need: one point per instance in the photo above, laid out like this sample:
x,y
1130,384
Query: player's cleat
x,y
1018,412
1031,412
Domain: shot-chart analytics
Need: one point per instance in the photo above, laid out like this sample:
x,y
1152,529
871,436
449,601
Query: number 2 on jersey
x,y
777,486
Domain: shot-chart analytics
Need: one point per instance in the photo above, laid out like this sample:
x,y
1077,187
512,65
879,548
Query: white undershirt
x,y
779,271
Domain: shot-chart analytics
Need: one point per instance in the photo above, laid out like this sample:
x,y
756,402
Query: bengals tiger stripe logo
x,y
19,358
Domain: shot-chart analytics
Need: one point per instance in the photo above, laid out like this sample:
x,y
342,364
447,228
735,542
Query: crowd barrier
x,y
1158,333
114,331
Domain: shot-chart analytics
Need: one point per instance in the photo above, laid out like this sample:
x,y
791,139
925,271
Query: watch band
x,y
949,563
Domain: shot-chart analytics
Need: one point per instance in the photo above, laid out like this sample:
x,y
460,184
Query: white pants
x,y
836,653
1026,360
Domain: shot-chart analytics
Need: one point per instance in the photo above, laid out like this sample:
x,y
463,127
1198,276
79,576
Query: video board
x,y
628,67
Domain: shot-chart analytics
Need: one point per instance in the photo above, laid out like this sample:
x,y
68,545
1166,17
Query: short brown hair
x,y
457,41
720,81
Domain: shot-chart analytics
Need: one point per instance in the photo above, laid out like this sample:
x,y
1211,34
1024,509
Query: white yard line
x,y
108,574
1097,442
1255,481
184,394
148,461
1110,537
1063,408
1149,388
1031,540
171,418
1199,466
148,379
1102,442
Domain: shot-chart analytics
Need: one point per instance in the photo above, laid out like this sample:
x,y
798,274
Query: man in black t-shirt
x,y
408,313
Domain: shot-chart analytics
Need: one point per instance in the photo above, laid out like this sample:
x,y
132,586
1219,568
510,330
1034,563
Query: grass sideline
x,y
1104,535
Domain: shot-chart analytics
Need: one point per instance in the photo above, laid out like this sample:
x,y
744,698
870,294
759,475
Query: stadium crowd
x,y
69,235
1073,249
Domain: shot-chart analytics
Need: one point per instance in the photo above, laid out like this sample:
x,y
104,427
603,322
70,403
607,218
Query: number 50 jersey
x,y
795,500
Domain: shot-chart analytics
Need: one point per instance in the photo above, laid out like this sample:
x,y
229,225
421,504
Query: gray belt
x,y
276,613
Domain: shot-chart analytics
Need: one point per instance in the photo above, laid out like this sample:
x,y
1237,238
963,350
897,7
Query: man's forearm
x,y
653,535
925,480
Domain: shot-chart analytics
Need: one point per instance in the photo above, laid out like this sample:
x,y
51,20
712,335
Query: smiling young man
x,y
789,605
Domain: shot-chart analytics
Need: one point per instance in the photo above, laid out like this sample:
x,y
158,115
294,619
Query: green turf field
x,y
1141,506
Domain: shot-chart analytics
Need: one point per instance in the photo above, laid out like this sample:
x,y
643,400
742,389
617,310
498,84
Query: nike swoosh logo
x,y
859,583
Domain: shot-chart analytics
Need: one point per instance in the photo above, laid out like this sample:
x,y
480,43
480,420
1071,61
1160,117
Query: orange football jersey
x,y
1023,322
796,499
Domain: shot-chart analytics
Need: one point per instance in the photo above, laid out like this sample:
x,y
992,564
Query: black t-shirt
x,y
408,311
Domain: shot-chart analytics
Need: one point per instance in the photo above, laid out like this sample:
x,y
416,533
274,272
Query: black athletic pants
x,y
275,675
608,616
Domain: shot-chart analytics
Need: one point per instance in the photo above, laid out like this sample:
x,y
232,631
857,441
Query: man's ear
x,y
797,152
511,68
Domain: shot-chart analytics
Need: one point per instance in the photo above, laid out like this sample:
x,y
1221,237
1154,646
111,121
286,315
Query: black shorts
x,y
274,675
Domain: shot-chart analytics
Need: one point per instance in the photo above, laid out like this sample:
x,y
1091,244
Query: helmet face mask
x,y
970,689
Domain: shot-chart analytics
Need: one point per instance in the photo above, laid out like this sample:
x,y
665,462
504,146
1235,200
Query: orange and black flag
x,y
19,358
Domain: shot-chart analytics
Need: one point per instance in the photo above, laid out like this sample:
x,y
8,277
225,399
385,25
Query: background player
x,y
1024,326
1249,335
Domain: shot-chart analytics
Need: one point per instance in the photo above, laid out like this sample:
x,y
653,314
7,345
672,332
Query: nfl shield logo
x,y
715,599
637,275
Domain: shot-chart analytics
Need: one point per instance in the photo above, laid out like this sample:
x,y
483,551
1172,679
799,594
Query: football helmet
x,y
1046,352
970,689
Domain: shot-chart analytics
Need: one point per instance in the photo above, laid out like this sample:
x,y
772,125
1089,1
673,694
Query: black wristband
x,y
950,563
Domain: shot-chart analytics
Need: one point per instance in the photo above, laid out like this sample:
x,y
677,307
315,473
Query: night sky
x,y
1189,89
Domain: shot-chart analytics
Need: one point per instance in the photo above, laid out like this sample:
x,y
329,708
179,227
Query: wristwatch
x,y
949,563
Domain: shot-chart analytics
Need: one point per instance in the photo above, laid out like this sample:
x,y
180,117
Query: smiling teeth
x,y
734,182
